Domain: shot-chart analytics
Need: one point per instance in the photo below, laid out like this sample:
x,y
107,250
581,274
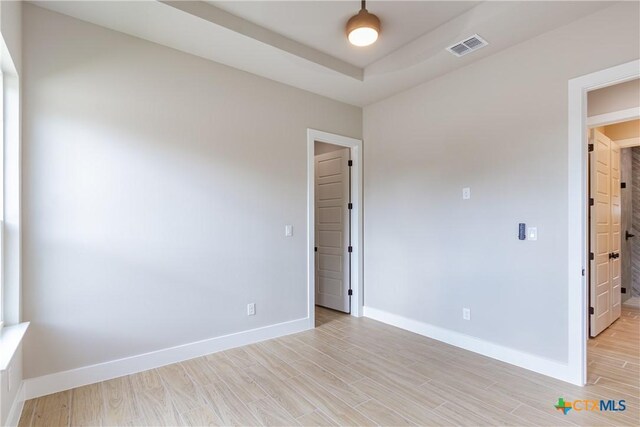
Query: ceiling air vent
x,y
472,43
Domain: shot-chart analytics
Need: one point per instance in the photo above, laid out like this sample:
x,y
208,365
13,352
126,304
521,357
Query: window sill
x,y
10,339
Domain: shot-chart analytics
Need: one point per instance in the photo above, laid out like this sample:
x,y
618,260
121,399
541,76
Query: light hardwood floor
x,y
352,371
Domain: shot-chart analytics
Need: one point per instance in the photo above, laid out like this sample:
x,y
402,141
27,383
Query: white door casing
x,y
578,231
605,283
332,234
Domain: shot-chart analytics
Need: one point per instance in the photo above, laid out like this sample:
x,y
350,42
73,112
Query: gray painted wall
x,y
498,126
156,190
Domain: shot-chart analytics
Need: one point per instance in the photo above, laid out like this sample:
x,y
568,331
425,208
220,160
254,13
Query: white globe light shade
x,y
363,36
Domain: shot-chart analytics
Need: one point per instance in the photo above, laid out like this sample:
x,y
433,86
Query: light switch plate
x,y
532,233
288,230
466,193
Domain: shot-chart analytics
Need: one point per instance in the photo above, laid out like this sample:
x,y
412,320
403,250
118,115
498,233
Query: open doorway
x,y
613,252
334,223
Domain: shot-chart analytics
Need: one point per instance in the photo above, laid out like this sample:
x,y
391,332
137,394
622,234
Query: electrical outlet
x,y
532,233
466,314
251,309
288,230
466,193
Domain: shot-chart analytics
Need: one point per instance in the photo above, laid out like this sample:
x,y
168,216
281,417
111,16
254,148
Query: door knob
x,y
628,235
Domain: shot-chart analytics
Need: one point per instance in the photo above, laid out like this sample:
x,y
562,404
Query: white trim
x,y
355,145
11,230
628,142
614,117
515,357
60,381
10,340
16,408
577,216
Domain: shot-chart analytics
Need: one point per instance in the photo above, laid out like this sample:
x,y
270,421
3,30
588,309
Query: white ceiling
x,y
301,44
321,24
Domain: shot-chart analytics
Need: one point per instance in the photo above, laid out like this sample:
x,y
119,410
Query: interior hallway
x,y
353,371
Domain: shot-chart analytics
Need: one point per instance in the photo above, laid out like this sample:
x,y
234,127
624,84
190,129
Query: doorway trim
x,y
355,147
577,204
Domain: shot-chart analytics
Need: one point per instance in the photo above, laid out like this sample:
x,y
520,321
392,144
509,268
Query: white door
x,y
616,227
332,193
605,215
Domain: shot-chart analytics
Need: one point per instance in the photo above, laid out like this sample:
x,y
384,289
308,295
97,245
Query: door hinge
x,y
623,290
591,310
590,146
350,163
591,256
591,201
584,271
315,249
623,185
350,206
350,292
350,249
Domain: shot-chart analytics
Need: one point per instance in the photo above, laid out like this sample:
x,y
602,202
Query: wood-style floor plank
x,y
295,403
227,405
354,371
316,418
382,415
201,416
87,406
269,413
119,401
185,394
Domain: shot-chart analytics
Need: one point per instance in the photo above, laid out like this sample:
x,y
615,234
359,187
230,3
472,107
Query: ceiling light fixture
x,y
363,28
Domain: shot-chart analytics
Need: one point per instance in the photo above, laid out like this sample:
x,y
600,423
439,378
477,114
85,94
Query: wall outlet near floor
x,y
251,309
466,314
466,193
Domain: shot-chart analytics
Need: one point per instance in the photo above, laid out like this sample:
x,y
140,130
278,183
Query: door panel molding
x,y
605,228
600,286
332,237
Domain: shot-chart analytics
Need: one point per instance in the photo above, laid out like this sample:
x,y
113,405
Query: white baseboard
x,y
515,357
60,381
16,408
